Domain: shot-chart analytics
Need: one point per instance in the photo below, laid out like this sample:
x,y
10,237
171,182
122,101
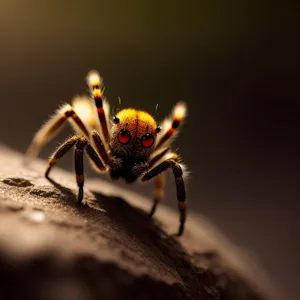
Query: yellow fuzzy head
x,y
133,133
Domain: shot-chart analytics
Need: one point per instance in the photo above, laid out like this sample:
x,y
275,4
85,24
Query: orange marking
x,y
97,93
100,111
170,131
93,78
178,118
181,205
52,161
175,156
80,179
179,179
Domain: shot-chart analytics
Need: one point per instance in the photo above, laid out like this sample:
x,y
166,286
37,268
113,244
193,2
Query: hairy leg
x,y
180,187
81,145
158,192
52,126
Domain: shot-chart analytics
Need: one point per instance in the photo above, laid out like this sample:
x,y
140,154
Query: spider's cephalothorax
x,y
133,134
129,145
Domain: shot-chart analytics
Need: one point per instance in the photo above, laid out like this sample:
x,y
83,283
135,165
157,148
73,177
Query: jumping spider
x,y
129,145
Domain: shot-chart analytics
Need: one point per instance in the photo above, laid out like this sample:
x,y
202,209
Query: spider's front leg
x,y
81,144
177,172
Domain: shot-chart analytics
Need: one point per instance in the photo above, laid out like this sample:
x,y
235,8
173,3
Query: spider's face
x,y
133,134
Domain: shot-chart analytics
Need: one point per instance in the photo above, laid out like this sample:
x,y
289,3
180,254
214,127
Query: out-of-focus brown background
x,y
235,64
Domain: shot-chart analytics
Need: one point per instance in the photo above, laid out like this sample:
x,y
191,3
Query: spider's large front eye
x,y
147,140
124,136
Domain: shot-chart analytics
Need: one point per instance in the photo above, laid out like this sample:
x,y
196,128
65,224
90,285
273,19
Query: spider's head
x,y
133,134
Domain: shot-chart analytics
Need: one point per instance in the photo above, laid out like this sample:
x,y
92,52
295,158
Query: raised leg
x,y
96,85
170,125
180,188
52,126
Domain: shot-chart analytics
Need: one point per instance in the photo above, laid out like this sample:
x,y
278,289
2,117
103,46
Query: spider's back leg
x,y
52,126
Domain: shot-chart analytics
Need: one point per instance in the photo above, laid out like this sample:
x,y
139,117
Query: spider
x,y
130,145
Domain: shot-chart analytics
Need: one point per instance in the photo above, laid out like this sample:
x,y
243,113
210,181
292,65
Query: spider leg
x,y
60,152
51,127
180,188
171,125
100,146
142,167
158,192
78,157
160,179
81,144
157,157
96,86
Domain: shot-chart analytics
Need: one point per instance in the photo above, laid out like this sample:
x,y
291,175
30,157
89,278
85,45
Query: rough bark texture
x,y
53,248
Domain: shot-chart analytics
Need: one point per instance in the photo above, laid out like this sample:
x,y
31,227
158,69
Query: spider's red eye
x,y
147,140
124,136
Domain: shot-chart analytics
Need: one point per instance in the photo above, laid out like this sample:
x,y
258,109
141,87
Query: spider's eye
x,y
147,140
124,136
116,120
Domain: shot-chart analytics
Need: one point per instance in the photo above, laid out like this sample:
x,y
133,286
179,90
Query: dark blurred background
x,y
235,64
